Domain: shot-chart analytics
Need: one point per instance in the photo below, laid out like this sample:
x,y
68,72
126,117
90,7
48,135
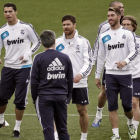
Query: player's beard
x,y
69,32
115,23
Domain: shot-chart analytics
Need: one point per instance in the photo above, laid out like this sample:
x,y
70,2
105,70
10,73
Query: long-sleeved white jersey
x,y
17,41
114,46
80,53
136,61
102,28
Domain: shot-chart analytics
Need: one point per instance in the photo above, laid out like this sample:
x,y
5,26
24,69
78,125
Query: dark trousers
x,y
116,84
14,80
49,111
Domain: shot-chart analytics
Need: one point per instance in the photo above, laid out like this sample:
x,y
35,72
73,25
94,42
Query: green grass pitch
x,y
45,14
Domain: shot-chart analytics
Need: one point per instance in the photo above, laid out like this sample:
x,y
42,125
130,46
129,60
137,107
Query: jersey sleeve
x,y
132,48
1,44
87,58
100,59
34,38
70,80
34,78
101,29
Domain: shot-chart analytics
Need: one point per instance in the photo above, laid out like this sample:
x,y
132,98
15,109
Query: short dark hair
x,y
112,4
133,21
115,9
47,38
10,5
69,17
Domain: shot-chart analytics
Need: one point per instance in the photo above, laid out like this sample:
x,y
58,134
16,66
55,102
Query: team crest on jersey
x,y
124,37
4,35
22,32
60,47
77,49
106,38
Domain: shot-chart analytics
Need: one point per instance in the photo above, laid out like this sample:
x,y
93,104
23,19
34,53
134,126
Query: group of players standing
x,y
60,72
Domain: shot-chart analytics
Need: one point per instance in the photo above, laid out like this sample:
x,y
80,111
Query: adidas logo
x,y
5,35
84,101
56,65
130,86
106,38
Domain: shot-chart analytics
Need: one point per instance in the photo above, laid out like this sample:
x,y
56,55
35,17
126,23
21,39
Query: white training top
x,y
114,46
102,28
136,61
79,51
17,42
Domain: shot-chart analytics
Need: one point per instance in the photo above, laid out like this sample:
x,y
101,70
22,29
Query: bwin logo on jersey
x,y
119,45
56,65
56,76
18,41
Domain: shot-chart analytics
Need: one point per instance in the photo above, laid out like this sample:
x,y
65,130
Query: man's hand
x,y
77,78
23,61
25,58
0,61
98,83
121,64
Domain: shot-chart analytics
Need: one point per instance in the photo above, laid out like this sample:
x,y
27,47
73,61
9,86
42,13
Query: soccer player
x,y
79,50
16,36
117,47
102,96
51,87
130,23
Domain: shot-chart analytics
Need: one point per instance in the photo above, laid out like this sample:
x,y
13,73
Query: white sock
x,y
17,125
99,112
136,124
55,134
116,131
83,135
129,121
1,118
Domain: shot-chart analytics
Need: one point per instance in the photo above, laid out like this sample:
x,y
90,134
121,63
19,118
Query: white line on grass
x,y
68,115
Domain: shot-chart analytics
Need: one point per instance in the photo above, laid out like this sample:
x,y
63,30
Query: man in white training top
x,y
16,36
79,51
117,47
102,96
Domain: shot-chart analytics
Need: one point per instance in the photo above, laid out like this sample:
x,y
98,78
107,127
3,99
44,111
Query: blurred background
x,y
47,15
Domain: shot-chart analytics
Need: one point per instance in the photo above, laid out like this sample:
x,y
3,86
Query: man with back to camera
x,y
79,50
130,23
102,96
51,87
16,36
117,47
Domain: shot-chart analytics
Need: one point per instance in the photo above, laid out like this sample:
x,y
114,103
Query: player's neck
x,y
117,26
13,22
70,36
53,47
